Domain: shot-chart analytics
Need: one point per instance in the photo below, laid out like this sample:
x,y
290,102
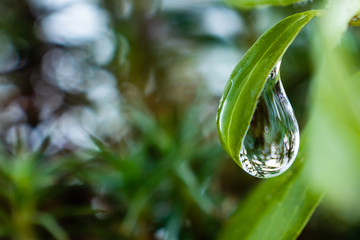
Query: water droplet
x,y
272,141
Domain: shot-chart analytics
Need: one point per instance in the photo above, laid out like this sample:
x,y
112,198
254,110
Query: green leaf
x,y
50,224
277,209
256,3
247,81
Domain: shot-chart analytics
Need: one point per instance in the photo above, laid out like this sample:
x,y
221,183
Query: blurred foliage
x,y
107,118
335,119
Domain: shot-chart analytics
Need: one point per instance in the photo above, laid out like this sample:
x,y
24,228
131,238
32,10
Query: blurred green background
x,y
107,117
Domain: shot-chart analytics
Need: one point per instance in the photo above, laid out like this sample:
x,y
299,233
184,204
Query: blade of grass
x,y
247,81
258,3
50,224
280,207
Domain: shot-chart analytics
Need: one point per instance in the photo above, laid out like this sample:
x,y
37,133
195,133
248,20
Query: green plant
x,y
280,208
126,120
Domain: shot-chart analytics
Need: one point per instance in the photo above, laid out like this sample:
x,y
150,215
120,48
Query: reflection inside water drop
x,y
272,141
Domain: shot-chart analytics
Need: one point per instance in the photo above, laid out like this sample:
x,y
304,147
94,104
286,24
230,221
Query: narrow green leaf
x,y
247,81
277,209
50,224
256,3
280,207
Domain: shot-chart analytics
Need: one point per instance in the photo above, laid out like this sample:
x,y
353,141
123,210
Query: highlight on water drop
x,y
272,140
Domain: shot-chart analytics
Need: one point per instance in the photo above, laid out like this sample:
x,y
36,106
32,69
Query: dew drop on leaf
x,y
272,140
